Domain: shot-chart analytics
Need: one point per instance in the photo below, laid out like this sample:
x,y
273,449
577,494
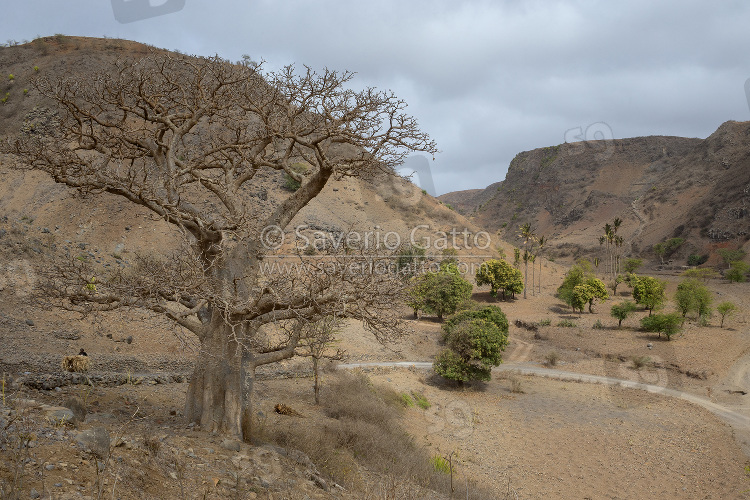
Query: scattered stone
x,y
34,493
95,439
78,408
50,466
650,345
231,445
30,322
129,339
59,415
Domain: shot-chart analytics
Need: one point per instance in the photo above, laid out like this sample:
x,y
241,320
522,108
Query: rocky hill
x,y
661,187
386,203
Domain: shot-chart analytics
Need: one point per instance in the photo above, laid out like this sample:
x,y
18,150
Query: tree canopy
x,y
501,276
439,293
649,292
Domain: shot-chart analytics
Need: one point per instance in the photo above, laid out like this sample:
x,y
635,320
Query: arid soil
x,y
556,439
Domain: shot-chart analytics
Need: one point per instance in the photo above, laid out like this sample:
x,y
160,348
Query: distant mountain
x,y
661,187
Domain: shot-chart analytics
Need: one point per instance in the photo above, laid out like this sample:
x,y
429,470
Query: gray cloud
x,y
487,79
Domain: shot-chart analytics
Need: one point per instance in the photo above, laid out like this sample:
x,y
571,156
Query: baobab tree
x,y
186,138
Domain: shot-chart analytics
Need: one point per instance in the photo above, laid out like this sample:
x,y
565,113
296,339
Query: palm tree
x,y
618,241
541,242
528,235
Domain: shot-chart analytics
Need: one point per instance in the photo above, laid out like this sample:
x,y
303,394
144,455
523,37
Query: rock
x,y
231,445
95,439
30,322
129,339
49,467
320,482
75,405
59,415
34,493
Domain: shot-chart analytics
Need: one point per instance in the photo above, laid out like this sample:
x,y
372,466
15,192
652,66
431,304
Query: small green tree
x,y
318,341
726,309
575,276
474,346
737,272
731,256
693,296
666,248
587,292
621,311
668,324
649,292
616,282
440,293
632,265
501,277
703,274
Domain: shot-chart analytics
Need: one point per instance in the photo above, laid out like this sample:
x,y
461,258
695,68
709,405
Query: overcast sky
x,y
487,79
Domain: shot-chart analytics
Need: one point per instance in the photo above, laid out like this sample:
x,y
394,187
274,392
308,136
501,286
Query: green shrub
x,y
551,358
696,260
36,68
545,322
566,323
640,361
726,309
598,325
621,311
441,464
737,272
406,400
421,401
668,324
474,347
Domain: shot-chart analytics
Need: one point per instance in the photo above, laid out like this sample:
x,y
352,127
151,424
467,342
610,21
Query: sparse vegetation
x,y
665,249
621,311
668,324
640,361
566,323
696,260
551,358
726,309
737,272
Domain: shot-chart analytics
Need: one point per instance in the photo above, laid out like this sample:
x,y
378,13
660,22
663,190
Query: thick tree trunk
x,y
215,394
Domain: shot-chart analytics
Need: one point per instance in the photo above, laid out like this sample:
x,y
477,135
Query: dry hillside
x,y
661,187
